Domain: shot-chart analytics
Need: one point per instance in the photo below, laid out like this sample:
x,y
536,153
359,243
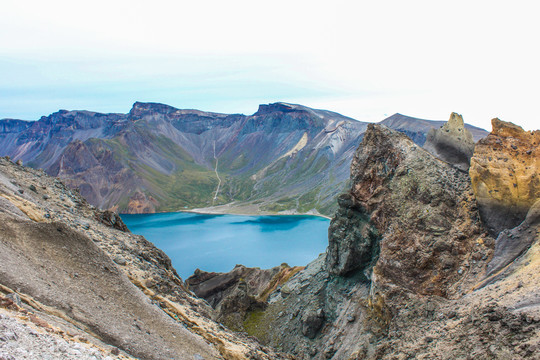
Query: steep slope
x,y
410,271
79,270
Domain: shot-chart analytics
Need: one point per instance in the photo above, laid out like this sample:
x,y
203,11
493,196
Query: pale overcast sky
x,y
364,59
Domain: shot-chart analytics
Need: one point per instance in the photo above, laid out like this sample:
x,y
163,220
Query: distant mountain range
x,y
284,158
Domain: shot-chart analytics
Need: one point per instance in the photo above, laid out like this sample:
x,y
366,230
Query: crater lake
x,y
219,242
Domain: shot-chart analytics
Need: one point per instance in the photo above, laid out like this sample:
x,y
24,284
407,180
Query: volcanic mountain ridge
x,y
285,158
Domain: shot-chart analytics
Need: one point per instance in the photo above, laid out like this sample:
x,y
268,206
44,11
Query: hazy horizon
x,y
365,60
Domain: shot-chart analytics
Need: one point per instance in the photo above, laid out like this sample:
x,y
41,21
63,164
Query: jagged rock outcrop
x,y
422,208
79,271
505,175
425,290
452,142
353,243
236,293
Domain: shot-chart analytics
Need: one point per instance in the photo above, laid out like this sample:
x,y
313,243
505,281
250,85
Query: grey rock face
x,y
452,142
352,241
312,322
512,243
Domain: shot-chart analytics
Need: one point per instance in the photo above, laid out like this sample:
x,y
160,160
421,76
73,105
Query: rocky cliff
x,y
77,274
285,158
411,271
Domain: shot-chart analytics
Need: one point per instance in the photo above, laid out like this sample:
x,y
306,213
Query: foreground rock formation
x,y
78,271
410,271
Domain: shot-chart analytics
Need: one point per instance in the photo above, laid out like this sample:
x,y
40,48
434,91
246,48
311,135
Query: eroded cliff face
x,y
505,175
409,271
422,209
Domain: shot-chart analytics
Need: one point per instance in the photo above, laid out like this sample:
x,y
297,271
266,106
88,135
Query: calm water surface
x,y
219,242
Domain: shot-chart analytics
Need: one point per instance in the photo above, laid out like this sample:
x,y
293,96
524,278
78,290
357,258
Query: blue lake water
x,y
219,242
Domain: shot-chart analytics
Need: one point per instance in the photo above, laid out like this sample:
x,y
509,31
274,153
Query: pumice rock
x,y
452,142
505,175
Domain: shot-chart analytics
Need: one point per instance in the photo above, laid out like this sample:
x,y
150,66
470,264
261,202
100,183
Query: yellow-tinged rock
x,y
505,174
27,207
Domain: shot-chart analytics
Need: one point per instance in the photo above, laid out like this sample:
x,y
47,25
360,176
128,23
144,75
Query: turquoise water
x,y
219,242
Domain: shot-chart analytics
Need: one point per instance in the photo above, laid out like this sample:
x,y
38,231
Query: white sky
x,y
364,59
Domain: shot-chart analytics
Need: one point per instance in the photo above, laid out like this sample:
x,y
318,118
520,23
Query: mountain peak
x,y
274,107
139,108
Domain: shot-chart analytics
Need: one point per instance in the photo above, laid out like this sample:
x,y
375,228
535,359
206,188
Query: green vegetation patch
x,y
255,324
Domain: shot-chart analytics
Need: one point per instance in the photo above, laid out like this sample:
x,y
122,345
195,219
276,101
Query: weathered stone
x,y
414,202
111,219
240,291
15,298
120,260
512,243
505,175
312,321
452,142
352,241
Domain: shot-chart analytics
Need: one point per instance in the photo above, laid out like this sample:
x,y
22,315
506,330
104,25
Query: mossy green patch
x,y
255,325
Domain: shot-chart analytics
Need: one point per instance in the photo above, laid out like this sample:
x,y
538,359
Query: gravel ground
x,y
19,339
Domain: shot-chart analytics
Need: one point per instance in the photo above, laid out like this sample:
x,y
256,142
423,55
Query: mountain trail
x,y
217,175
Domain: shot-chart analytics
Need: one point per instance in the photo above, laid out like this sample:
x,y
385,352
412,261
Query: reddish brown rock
x,y
140,203
423,211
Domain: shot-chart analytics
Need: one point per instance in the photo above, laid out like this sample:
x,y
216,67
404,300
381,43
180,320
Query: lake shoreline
x,y
208,211
220,210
